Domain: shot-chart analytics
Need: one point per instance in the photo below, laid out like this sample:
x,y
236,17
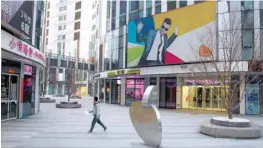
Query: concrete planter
x,y
47,100
236,128
75,97
71,105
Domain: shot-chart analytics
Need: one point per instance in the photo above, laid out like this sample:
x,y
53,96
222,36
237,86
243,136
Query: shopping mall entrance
x,y
209,96
9,96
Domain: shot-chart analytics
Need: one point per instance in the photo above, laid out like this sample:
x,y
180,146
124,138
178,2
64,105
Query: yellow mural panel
x,y
188,18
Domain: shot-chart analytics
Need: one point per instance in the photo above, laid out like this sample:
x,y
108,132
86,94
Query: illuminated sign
x,y
21,48
27,70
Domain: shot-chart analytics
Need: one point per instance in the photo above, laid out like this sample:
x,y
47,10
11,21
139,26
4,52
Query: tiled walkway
x,y
54,128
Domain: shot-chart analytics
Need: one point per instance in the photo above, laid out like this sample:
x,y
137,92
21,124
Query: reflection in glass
x,y
12,109
199,96
162,93
207,98
4,86
193,98
215,94
171,93
4,110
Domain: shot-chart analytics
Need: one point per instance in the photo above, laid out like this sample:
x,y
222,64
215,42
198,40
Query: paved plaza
x,y
67,128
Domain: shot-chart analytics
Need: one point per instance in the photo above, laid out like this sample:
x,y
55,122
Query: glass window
x,y
113,24
122,20
148,8
76,35
158,7
77,26
60,27
134,5
183,4
135,15
261,45
78,5
248,41
171,5
77,15
123,7
113,10
235,5
141,5
248,19
261,5
59,48
198,1
261,18
108,9
247,5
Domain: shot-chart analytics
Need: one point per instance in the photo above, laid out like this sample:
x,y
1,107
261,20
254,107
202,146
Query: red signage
x,y
25,49
27,70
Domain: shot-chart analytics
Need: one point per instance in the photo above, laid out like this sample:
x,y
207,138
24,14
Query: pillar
x,y
179,82
242,108
123,87
21,97
37,101
158,87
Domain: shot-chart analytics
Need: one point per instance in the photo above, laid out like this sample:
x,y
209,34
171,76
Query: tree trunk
x,y
230,114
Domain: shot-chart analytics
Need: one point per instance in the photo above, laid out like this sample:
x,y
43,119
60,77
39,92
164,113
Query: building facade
x,y
129,57
21,58
66,40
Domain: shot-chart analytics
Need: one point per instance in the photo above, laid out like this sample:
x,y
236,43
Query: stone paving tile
x,y
66,128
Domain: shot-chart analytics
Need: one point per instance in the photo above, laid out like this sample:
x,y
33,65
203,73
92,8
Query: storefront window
x,y
107,91
134,90
116,91
203,93
168,92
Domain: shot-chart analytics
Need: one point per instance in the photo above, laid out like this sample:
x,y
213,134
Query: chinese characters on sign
x,y
25,49
27,70
26,22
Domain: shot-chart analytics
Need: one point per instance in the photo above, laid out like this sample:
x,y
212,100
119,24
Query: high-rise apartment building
x,y
66,44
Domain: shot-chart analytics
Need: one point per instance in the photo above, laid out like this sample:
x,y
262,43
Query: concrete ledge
x,y
235,122
47,100
75,97
65,102
252,132
68,105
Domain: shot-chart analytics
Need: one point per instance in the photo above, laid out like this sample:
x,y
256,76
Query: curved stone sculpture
x,y
146,118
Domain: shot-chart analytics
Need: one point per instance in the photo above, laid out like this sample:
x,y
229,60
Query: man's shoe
x,y
89,132
105,129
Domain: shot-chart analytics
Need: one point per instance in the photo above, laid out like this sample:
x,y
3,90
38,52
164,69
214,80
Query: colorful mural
x,y
165,38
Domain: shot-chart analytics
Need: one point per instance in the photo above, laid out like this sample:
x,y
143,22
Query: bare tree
x,y
72,84
222,56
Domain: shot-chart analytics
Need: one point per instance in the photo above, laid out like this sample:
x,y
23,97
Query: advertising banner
x,y
18,15
252,99
166,38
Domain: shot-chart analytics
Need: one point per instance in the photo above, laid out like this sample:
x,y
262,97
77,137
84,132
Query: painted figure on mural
x,y
156,43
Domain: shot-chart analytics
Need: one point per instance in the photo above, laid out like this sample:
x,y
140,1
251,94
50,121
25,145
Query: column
x,y
242,108
158,86
21,91
37,102
123,87
179,82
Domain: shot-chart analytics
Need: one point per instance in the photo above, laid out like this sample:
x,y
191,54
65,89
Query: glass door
x,y
9,96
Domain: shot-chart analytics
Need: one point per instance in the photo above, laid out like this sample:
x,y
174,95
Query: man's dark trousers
x,y
94,121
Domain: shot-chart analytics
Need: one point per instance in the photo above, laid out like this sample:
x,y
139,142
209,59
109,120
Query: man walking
x,y
96,114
